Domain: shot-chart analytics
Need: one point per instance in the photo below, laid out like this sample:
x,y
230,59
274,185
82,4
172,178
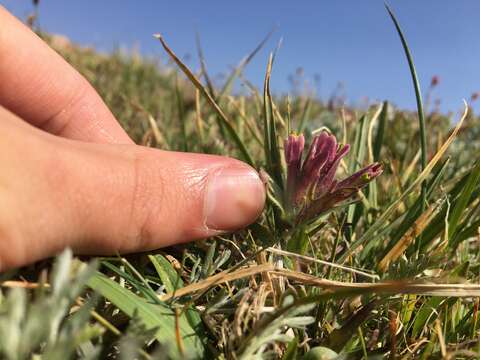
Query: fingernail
x,y
235,198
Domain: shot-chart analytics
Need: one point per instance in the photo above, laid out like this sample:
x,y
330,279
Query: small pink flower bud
x,y
361,177
293,148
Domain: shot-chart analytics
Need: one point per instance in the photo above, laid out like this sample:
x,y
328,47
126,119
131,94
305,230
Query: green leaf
x,y
425,314
142,287
320,353
159,316
338,338
271,329
170,279
298,242
208,261
292,350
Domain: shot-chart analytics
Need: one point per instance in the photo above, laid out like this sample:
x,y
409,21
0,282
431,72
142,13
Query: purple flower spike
x,y
320,166
311,187
293,156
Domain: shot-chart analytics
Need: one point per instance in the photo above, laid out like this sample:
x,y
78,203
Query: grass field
x,y
389,271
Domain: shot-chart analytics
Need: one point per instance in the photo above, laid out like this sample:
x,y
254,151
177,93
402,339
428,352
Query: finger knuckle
x,y
147,189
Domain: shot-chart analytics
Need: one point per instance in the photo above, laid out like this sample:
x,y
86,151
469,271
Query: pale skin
x,y
71,177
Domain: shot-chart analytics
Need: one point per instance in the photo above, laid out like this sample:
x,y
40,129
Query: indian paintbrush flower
x,y
311,186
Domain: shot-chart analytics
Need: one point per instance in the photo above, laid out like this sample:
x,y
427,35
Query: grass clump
x,y
390,271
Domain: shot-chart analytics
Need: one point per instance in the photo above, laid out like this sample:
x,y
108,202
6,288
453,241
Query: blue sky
x,y
353,42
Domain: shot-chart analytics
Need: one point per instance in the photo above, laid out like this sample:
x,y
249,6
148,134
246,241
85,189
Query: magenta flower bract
x,y
311,186
293,156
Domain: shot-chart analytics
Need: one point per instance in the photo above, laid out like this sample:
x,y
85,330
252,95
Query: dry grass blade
x,y
410,168
221,115
388,287
220,278
405,241
159,138
157,134
22,284
252,128
441,339
323,262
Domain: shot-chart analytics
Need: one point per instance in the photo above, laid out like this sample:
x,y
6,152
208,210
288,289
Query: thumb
x,y
104,198
134,198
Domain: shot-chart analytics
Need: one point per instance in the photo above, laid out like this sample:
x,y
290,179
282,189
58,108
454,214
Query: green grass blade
x,y
242,65
357,158
415,210
375,148
468,232
383,219
305,115
438,224
359,145
271,148
203,66
208,260
462,202
181,115
426,314
291,353
266,119
338,338
166,273
378,142
224,121
141,286
418,95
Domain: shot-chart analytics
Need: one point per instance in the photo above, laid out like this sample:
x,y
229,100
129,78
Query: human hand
x,y
70,176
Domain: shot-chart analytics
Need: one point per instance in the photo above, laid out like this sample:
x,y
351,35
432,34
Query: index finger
x,y
42,88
